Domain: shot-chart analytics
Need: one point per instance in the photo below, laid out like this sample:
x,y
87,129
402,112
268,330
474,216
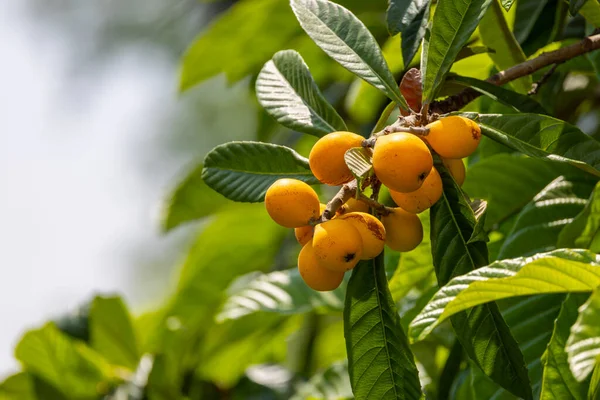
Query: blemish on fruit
x,y
349,257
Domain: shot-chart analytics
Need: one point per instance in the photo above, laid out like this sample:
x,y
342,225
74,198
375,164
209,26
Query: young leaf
x,y
543,137
243,171
452,224
507,4
358,161
71,367
348,41
453,24
496,34
192,199
539,223
558,271
583,345
557,381
516,101
281,292
410,18
287,91
411,88
112,333
582,231
380,362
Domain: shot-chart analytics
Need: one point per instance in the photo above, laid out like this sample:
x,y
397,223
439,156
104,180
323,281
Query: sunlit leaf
x,y
18,386
453,24
583,345
558,271
380,362
358,161
287,91
348,41
281,292
243,171
584,230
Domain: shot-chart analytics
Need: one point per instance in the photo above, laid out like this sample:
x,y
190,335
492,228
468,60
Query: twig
x,y
378,207
458,101
346,192
536,86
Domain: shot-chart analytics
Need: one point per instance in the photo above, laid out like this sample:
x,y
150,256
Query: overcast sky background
x,y
84,162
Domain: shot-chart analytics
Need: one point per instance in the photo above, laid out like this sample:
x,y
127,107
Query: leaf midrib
x,y
241,171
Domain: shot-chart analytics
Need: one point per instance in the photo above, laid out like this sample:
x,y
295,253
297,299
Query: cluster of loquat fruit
x,y
403,162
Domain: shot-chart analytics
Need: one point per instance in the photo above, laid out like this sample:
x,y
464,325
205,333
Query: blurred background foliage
x,y
238,323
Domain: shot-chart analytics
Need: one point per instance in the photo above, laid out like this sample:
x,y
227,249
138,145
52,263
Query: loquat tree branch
x,y
458,101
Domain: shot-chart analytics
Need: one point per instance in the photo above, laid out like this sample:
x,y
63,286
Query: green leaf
x,y
70,366
348,41
496,34
583,345
591,12
233,34
594,389
415,267
528,12
575,6
358,161
287,91
510,181
382,122
469,51
380,362
557,382
17,387
410,18
539,224
282,292
112,333
507,4
330,383
543,137
453,24
243,171
558,271
582,231
192,199
452,224
516,101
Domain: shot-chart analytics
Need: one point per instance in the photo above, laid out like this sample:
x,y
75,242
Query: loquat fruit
x,y
337,244
456,167
404,230
402,161
326,159
291,203
454,136
371,232
422,198
304,234
313,274
353,205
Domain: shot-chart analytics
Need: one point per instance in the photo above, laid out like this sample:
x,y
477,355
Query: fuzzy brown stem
x,y
458,101
378,207
346,192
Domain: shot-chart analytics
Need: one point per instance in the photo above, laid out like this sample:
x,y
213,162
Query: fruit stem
x,y
378,207
346,192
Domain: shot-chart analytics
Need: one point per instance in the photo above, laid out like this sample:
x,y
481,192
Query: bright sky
x,y
74,207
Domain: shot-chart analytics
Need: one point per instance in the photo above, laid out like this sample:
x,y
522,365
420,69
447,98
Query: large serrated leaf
x,y
516,101
557,381
287,91
540,222
380,362
453,24
348,41
358,161
496,34
583,345
410,18
281,292
243,171
558,271
452,224
543,137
